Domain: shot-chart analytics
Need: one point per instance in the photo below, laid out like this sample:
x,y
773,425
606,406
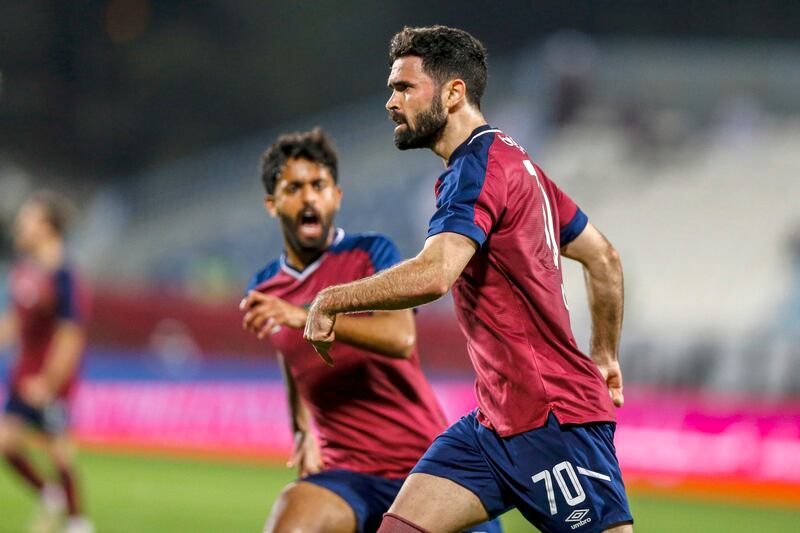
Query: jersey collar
x,y
463,147
307,271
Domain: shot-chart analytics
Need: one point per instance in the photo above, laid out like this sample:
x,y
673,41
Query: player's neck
x,y
49,253
460,126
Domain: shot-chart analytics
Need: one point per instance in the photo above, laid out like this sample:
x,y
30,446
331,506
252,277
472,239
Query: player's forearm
x,y
8,329
409,284
299,416
605,288
62,362
390,334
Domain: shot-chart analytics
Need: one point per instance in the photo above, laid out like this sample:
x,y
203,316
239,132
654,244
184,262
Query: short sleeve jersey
x,y
374,414
41,298
510,299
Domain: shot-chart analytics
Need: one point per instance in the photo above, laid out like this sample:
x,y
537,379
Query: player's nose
x,y
309,195
391,103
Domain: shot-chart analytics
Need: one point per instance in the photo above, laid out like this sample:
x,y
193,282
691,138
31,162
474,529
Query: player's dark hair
x,y
58,209
446,53
312,145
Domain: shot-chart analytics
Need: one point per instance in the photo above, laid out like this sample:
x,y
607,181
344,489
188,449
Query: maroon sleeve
x,y
571,220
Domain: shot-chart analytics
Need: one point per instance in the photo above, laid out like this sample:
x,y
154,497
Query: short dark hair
x,y
446,53
312,145
59,211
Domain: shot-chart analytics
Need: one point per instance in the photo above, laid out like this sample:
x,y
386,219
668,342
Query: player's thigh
x,y
438,504
12,433
309,508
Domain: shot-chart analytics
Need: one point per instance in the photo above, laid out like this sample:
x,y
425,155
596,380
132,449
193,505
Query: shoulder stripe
x,y
481,133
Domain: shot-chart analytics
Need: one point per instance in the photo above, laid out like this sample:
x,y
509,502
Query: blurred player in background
x,y
375,412
542,437
46,321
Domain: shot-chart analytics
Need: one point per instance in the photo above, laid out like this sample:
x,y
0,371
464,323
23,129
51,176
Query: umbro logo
x,y
579,518
578,515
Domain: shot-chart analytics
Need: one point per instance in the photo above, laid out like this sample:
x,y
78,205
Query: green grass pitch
x,y
134,493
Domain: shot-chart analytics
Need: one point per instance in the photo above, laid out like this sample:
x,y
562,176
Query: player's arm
x,y
604,286
420,280
305,455
61,363
389,333
9,328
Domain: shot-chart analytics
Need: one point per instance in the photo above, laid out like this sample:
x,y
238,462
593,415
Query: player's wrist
x,y
604,358
323,303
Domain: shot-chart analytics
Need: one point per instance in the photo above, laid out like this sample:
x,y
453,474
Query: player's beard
x,y
429,128
305,246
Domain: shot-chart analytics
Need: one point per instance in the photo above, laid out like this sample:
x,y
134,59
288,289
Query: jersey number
x,y
547,216
573,492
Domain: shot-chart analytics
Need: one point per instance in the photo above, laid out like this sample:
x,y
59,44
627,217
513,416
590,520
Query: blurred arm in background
x,y
62,361
305,455
8,328
602,271
389,333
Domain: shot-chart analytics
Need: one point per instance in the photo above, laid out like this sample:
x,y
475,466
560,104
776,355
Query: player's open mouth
x,y
309,224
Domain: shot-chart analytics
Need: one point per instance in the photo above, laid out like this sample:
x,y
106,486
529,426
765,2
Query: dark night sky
x,y
96,87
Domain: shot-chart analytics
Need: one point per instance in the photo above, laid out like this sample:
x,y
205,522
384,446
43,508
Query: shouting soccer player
x,y
542,437
374,411
46,319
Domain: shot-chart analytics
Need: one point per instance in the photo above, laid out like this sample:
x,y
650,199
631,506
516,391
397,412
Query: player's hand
x,y
305,455
265,314
613,376
319,329
36,391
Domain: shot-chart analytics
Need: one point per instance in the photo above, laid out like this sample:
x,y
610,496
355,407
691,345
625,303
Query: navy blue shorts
x,y
371,496
561,478
51,420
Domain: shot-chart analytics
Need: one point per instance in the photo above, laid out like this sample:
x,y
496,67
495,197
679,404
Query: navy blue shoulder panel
x,y
269,271
382,251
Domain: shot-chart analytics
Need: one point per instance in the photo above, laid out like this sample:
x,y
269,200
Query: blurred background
x,y
675,126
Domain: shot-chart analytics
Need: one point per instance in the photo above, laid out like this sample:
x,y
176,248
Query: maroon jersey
x,y
510,298
374,414
41,298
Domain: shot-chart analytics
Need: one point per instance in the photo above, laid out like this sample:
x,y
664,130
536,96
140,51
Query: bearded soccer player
x,y
375,412
541,439
46,319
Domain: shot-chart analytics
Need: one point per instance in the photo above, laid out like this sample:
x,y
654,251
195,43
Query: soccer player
x,y
46,319
542,437
374,411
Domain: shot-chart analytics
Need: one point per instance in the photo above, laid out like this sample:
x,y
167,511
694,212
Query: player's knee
x,y
288,516
62,454
9,438
306,508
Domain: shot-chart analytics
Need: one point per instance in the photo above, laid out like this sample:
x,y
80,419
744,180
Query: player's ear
x,y
454,92
269,205
337,191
